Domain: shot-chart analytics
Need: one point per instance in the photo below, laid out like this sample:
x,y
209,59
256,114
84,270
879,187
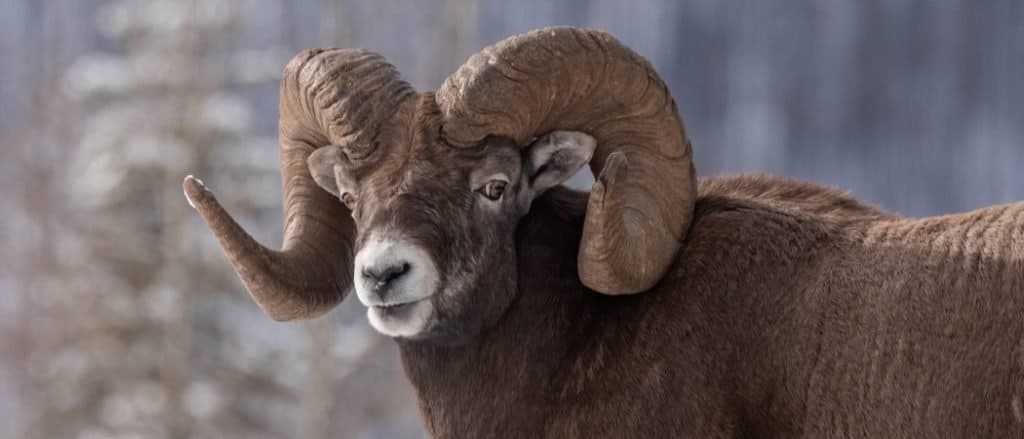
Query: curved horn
x,y
340,97
585,80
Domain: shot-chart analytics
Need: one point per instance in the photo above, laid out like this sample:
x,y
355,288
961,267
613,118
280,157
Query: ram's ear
x,y
556,157
321,167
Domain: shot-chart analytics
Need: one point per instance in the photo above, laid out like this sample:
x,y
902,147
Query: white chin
x,y
406,320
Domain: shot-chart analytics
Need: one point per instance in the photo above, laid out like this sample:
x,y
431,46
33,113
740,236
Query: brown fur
x,y
792,311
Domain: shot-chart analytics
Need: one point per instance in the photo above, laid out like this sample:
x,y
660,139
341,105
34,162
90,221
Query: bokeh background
x,y
119,315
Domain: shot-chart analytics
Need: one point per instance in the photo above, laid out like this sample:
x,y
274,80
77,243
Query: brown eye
x,y
349,200
493,189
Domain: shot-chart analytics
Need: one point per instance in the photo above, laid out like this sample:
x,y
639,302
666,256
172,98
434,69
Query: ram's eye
x,y
349,200
493,189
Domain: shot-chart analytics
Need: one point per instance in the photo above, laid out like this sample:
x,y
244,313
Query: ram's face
x,y
435,255
436,195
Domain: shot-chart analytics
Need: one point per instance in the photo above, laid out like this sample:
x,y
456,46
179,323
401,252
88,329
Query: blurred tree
x,y
139,329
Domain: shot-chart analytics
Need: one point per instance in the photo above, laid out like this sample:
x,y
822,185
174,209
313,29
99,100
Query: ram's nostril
x,y
382,276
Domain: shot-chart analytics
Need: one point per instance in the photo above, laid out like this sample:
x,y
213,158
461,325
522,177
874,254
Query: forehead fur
x,y
416,148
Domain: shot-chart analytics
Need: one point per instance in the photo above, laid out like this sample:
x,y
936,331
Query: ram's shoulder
x,y
786,195
771,215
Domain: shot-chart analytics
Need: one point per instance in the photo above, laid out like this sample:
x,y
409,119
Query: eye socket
x,y
493,189
349,200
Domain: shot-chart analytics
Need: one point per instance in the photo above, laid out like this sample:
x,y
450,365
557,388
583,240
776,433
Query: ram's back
x,y
937,329
851,321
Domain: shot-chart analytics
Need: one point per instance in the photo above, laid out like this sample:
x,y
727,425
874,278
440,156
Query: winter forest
x,y
122,319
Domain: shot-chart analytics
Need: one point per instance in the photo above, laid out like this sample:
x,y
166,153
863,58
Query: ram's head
x,y
432,186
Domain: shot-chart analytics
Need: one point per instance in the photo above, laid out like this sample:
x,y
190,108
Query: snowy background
x,y
120,316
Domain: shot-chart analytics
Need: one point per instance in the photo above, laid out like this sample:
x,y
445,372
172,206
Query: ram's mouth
x,y
392,308
403,319
397,308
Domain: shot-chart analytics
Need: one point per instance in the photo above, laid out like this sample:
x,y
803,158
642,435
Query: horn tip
x,y
195,190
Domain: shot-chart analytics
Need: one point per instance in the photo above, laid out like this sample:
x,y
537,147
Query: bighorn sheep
x,y
655,306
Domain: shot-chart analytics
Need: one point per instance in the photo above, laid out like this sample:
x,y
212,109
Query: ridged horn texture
x,y
340,97
585,80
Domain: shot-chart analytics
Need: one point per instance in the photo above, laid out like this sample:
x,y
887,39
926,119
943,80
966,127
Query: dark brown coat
x,y
792,311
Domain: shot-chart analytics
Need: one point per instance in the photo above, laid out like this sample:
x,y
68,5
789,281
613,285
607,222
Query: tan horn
x,y
585,80
335,96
